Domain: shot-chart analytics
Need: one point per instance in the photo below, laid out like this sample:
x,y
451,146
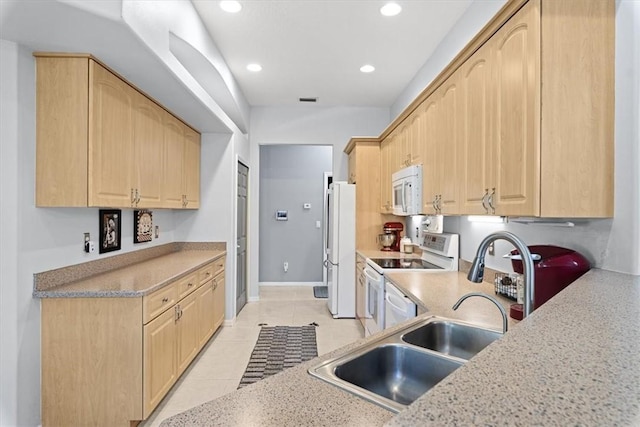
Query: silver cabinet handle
x,y
484,200
493,193
165,300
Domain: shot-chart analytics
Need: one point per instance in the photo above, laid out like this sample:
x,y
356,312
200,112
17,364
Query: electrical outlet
x,y
492,249
285,266
87,238
157,231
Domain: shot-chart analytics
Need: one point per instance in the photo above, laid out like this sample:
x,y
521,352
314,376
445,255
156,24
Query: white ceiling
x,y
315,48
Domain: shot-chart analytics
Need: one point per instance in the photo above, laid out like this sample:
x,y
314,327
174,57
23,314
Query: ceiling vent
x,y
308,99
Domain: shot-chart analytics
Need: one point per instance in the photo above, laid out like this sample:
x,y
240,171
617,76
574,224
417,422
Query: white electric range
x,y
440,253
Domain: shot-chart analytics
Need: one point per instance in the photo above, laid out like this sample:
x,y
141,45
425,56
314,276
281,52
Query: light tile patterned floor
x,y
219,366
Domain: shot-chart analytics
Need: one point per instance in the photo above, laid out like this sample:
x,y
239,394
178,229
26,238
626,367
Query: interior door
x,y
241,243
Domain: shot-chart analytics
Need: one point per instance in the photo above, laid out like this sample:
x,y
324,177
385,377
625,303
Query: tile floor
x,y
218,368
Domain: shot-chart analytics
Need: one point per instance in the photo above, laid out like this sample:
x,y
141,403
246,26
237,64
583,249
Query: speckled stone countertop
x,y
134,280
574,361
437,292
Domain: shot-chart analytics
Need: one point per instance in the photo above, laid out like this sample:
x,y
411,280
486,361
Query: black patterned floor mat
x,y
278,348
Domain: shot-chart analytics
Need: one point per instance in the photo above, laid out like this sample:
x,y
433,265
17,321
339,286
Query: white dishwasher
x,y
398,307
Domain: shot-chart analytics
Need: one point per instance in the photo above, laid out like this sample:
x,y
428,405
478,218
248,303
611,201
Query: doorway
x,y
241,236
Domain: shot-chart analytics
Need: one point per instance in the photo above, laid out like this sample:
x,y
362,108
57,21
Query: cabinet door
x,y
404,143
159,361
447,156
218,300
415,138
188,329
395,152
110,139
191,168
172,186
352,166
385,176
516,77
148,142
429,130
206,319
475,136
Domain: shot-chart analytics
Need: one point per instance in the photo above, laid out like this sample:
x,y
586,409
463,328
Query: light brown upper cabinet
x,y
500,112
385,177
148,137
102,143
364,156
476,173
537,100
440,115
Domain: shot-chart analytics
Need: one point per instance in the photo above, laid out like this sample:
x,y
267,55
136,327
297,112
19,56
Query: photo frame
x,y
142,226
110,230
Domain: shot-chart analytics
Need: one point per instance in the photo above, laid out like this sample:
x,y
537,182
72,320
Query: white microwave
x,y
406,190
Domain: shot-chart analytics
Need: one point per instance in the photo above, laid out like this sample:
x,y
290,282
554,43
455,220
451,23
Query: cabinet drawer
x,y
159,301
218,265
206,273
187,285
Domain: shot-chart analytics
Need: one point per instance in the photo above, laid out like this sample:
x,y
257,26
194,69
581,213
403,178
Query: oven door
x,y
399,197
374,311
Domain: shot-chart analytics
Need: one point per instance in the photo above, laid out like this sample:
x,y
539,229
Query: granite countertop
x,y
134,280
574,361
436,293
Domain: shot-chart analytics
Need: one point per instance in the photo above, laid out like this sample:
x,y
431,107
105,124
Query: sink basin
x,y
452,338
396,369
396,372
391,375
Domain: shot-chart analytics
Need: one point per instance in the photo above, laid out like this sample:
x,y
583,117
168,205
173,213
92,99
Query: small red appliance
x,y
394,228
556,269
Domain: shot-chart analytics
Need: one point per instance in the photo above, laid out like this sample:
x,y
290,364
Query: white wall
x,y
313,125
37,239
469,24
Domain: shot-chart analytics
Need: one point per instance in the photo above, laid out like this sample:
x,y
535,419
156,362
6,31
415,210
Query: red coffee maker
x,y
556,269
396,229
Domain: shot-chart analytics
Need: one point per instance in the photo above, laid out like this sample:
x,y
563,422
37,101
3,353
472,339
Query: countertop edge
x,y
57,292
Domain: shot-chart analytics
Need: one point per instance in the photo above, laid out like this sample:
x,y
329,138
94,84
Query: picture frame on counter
x,y
142,226
110,230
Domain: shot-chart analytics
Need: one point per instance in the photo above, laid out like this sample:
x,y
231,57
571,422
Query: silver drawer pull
x,y
165,299
189,284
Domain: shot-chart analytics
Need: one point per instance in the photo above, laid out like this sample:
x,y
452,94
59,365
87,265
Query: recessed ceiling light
x,y
230,6
367,68
390,9
254,67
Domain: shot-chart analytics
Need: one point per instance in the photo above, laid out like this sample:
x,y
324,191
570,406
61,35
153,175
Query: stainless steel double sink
x,y
397,369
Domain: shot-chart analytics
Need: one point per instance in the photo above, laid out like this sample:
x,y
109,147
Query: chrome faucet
x,y
490,298
477,268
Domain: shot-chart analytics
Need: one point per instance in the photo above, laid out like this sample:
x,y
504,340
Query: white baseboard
x,y
229,322
253,299
290,284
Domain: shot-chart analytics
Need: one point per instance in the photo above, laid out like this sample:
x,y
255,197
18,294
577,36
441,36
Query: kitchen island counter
x,y
573,361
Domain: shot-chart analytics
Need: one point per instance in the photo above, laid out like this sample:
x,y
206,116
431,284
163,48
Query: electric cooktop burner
x,y
409,264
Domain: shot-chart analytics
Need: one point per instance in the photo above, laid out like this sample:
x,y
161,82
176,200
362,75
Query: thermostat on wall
x,y
282,215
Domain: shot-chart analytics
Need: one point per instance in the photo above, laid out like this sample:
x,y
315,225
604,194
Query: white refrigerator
x,y
341,250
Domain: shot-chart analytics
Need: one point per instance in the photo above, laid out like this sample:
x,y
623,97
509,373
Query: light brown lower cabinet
x,y
110,361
